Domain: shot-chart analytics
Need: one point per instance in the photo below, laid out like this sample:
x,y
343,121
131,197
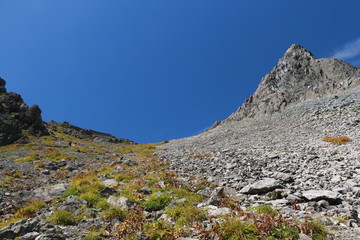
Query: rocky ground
x,y
62,187
282,159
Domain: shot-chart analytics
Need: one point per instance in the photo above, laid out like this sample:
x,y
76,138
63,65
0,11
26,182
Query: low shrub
x,y
337,140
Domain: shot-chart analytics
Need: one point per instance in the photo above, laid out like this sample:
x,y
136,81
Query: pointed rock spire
x,y
298,76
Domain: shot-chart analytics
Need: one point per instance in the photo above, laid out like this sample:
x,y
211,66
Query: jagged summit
x,y
298,76
297,49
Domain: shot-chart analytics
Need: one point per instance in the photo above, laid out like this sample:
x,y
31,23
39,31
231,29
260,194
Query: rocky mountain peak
x,y
298,76
297,50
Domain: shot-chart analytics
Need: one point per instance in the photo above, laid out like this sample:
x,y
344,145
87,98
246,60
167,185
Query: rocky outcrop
x,y
298,76
17,120
81,133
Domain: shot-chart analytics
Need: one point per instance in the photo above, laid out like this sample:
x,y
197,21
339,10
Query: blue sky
x,y
154,70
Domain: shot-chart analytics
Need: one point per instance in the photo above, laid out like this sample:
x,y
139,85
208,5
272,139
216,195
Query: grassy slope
x,y
136,167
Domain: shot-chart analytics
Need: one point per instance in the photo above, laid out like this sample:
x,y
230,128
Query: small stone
x,y
273,156
293,198
45,172
323,203
279,203
214,211
123,202
336,179
145,190
30,236
283,177
213,200
108,191
110,183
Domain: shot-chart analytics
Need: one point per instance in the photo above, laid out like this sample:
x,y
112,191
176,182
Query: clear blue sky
x,y
154,70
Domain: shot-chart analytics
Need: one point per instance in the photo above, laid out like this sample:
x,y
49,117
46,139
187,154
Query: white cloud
x,y
348,51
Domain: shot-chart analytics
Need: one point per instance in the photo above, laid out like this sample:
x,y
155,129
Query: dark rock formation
x,y
17,120
298,76
81,133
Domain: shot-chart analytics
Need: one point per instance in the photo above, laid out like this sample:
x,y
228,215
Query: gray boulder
x,y
49,193
317,195
262,186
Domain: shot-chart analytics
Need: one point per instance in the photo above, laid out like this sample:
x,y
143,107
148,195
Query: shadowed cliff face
x,y
298,76
17,120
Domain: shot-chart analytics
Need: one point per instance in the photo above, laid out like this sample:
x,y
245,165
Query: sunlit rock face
x,y
298,76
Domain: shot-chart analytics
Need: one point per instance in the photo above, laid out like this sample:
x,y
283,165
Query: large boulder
x,y
262,186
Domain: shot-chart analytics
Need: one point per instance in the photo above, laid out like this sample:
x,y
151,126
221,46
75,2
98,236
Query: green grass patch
x,y
162,230
186,214
4,223
235,229
156,203
85,150
30,209
62,217
126,176
315,229
103,204
55,155
113,213
90,198
283,232
10,147
265,209
191,197
33,156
